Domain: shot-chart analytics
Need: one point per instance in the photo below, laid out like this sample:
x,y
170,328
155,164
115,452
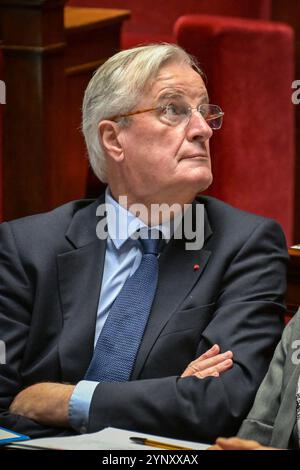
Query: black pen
x,y
160,445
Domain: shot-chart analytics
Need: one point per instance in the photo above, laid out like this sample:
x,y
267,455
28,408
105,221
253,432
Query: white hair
x,y
116,87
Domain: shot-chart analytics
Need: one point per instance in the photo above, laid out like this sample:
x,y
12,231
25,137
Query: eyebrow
x,y
177,94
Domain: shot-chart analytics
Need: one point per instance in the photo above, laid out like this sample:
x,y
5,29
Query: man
x,y
65,289
274,420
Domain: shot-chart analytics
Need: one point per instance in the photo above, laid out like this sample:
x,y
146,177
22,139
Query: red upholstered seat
x,y
153,20
249,63
250,68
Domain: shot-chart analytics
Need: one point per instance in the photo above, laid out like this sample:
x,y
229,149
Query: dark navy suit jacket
x,y
50,277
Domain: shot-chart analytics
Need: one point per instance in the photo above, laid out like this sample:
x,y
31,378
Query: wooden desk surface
x,y
295,254
85,18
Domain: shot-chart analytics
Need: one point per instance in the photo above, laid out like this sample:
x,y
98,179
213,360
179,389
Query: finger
x,y
203,375
194,365
202,366
16,403
223,366
199,365
214,371
12,407
213,351
214,447
267,448
235,443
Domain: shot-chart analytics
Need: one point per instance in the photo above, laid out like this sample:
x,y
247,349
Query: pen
x,y
160,445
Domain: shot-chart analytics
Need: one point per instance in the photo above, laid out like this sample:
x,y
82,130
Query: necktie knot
x,y
151,241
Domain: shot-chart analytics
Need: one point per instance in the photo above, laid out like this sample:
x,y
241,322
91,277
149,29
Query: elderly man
x,y
119,327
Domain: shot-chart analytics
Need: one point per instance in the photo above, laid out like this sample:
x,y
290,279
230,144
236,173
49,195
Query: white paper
x,y
4,434
107,439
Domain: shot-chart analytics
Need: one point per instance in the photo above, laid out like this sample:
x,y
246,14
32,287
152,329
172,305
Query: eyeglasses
x,y
176,113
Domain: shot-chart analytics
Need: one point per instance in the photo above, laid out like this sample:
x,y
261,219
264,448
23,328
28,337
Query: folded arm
x,y
246,322
48,403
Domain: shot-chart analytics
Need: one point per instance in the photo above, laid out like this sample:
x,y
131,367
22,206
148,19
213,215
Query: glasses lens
x,y
212,114
174,113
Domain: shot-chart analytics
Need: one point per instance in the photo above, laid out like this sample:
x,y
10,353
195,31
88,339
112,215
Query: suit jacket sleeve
x,y
259,424
246,321
16,305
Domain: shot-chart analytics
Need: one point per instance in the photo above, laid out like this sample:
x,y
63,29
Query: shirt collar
x,y
122,224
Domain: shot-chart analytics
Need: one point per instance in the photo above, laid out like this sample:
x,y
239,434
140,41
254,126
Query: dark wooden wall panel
x,y
48,59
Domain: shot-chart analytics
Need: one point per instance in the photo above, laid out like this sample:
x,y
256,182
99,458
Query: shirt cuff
x,y
79,405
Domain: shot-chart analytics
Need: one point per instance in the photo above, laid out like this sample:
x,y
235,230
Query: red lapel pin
x,y
196,267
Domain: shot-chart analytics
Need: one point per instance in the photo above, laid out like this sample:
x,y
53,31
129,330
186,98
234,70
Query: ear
x,y
109,133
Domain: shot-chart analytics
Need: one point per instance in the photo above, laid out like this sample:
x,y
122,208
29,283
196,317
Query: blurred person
x,y
274,420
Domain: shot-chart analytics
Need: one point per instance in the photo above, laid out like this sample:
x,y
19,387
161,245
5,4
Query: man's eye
x,y
175,109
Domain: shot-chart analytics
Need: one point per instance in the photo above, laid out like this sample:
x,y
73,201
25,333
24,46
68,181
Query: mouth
x,y
196,156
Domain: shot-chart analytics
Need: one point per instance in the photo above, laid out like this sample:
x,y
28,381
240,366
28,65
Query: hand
x,y
209,364
235,443
46,403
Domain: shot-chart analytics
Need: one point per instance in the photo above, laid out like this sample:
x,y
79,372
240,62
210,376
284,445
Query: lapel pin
x,y
196,267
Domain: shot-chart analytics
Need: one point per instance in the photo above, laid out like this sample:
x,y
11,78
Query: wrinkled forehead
x,y
178,79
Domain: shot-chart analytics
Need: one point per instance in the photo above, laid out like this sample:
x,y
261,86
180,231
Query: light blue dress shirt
x,y
122,258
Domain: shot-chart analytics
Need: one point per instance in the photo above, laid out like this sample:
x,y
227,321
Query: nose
x,y
197,128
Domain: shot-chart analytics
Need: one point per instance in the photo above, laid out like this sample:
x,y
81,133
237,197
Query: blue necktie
x,y
120,338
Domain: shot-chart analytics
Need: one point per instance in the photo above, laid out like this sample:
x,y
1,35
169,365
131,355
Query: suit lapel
x,y
80,273
79,276
177,277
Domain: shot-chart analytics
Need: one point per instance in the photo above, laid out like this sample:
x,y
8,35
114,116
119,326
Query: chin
x,y
202,180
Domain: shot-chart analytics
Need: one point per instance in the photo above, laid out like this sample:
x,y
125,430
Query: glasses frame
x,y
190,108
